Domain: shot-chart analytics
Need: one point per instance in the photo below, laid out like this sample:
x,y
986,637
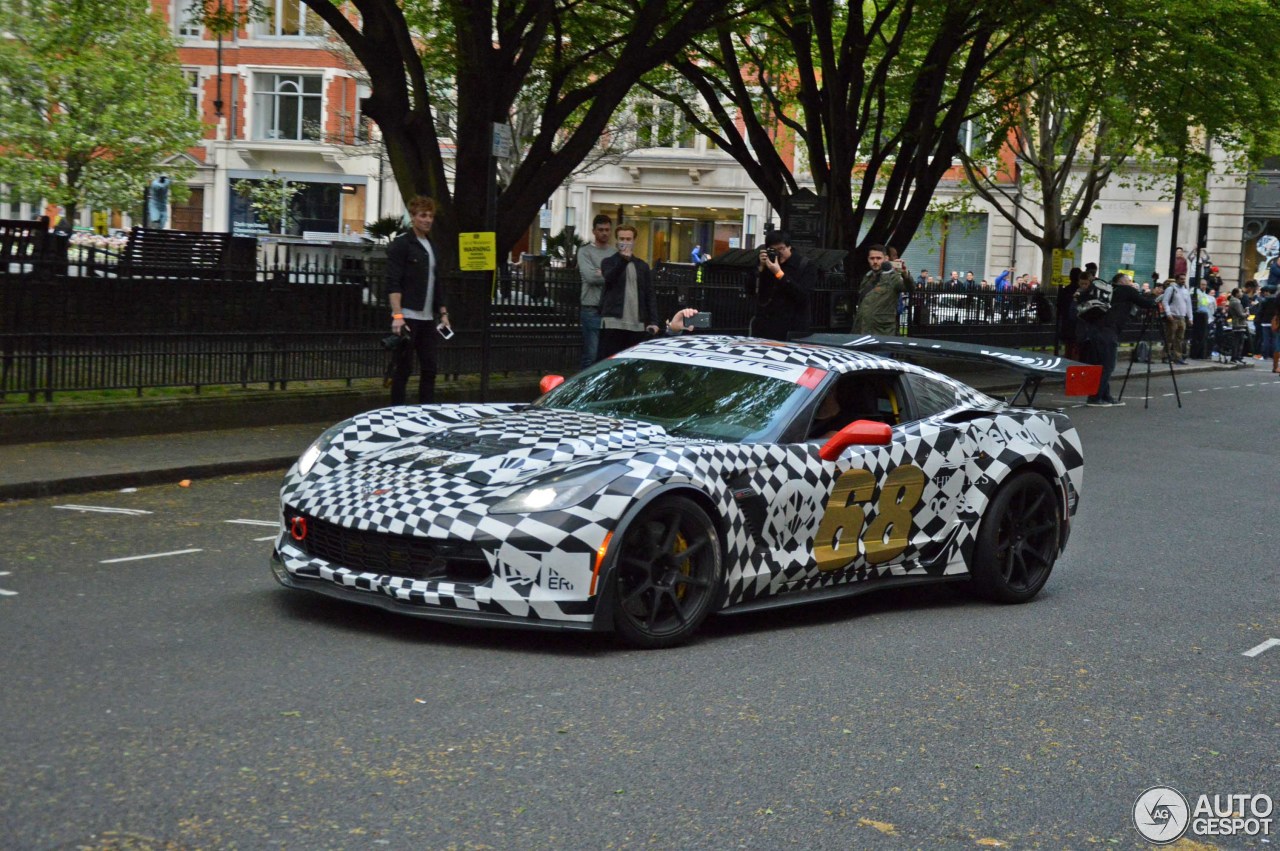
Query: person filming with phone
x,y
416,291
628,306
878,295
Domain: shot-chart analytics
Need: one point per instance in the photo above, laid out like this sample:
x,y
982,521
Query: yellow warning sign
x,y
478,251
1063,260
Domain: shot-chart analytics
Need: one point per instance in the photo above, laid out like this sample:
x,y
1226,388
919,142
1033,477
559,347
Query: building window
x,y
287,106
289,19
971,138
186,18
193,91
661,125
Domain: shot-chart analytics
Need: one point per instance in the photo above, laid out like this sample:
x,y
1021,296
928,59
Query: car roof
x,y
697,348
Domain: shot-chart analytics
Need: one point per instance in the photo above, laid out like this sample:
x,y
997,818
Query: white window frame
x,y
183,26
310,25
195,90
266,112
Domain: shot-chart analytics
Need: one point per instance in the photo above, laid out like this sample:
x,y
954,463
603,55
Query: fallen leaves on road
x,y
882,826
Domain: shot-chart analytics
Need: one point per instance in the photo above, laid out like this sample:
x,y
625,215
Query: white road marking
x,y
151,555
254,522
268,538
1262,648
4,593
102,509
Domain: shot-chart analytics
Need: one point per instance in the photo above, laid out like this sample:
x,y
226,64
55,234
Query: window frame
x,y
266,105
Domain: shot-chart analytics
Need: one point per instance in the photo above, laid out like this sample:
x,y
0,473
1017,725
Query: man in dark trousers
x,y
628,305
784,281
1103,310
416,291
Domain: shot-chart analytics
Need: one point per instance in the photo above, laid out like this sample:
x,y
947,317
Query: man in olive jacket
x,y
878,296
415,289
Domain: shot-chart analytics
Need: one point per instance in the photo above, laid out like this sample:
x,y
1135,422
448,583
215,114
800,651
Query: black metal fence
x,y
95,326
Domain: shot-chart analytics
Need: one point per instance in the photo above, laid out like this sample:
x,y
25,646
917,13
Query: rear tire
x,y
667,575
1018,540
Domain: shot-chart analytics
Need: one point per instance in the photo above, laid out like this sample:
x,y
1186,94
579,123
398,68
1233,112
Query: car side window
x,y
857,396
931,396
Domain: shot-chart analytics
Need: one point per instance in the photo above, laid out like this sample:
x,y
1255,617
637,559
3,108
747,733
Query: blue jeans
x,y
1099,346
590,336
1268,340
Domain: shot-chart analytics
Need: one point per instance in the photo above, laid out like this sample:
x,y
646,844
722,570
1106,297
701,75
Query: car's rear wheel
x,y
667,575
1018,540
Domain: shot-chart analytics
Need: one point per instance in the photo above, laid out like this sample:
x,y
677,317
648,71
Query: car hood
x,y
511,447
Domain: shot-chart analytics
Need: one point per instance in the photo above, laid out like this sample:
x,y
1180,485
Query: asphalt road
x,y
187,701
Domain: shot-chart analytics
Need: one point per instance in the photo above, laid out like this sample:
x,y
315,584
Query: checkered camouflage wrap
x,y
437,473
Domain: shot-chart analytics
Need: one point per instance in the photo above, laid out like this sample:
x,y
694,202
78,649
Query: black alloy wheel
x,y
1018,540
667,575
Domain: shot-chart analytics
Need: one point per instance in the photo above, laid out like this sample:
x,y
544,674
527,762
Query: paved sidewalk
x,y
81,466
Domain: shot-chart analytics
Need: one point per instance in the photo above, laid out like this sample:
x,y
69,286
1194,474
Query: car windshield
x,y
685,399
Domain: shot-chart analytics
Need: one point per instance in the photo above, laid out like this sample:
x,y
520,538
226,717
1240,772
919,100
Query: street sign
x,y
1128,253
1063,260
503,143
478,251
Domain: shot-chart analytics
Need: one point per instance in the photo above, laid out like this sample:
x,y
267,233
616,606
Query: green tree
x,y
579,59
1136,102
91,99
270,198
873,97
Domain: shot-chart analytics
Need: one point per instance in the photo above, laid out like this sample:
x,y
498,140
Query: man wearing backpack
x,y
1102,310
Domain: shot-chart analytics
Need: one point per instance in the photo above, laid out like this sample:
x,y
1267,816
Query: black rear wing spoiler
x,y
1080,379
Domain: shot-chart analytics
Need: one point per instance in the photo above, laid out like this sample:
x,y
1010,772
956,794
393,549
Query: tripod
x,y
1148,316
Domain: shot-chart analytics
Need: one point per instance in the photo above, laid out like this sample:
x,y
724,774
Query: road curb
x,y
141,478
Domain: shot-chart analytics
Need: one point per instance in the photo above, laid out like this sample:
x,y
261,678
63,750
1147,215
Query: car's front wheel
x,y
1018,540
668,574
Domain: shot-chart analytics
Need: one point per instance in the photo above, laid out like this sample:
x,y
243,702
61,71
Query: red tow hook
x,y
298,528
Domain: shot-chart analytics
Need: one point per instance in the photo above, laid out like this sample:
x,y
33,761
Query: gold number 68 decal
x,y
885,537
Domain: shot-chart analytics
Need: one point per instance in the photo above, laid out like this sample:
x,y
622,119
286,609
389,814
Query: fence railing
x,y
93,328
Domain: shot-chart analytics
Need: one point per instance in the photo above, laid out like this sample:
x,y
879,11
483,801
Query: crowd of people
x,y
619,308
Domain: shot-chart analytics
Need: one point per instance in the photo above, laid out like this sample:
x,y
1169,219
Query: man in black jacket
x,y
416,291
628,306
1103,310
784,281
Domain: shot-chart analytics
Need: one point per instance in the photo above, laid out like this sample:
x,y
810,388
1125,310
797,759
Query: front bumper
x,y
444,601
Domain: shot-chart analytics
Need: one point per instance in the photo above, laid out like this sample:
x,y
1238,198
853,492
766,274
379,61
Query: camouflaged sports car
x,y
686,476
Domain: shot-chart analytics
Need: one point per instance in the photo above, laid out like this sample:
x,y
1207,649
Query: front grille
x,y
391,555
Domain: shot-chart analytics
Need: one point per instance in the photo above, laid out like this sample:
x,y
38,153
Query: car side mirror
x,y
856,433
550,382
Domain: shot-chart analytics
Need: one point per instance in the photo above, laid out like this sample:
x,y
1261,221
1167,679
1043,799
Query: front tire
x,y
1018,540
667,575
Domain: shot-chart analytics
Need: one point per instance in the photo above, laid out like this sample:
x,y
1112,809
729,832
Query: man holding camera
x,y
784,281
1103,311
878,296
416,293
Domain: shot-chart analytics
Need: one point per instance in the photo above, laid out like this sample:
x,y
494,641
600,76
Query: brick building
x,y
276,97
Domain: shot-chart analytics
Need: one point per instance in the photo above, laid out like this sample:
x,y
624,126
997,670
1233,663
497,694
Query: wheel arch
x,y
1056,478
603,619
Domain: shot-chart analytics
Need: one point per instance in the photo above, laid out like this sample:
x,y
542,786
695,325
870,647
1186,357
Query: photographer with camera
x,y
784,281
1103,309
878,295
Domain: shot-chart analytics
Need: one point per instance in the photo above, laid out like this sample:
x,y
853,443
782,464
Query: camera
x,y
394,342
771,254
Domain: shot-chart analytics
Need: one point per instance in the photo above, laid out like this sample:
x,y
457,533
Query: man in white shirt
x,y
590,258
1177,315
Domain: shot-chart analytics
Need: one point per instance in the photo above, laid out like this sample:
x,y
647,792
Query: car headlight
x,y
319,447
554,493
